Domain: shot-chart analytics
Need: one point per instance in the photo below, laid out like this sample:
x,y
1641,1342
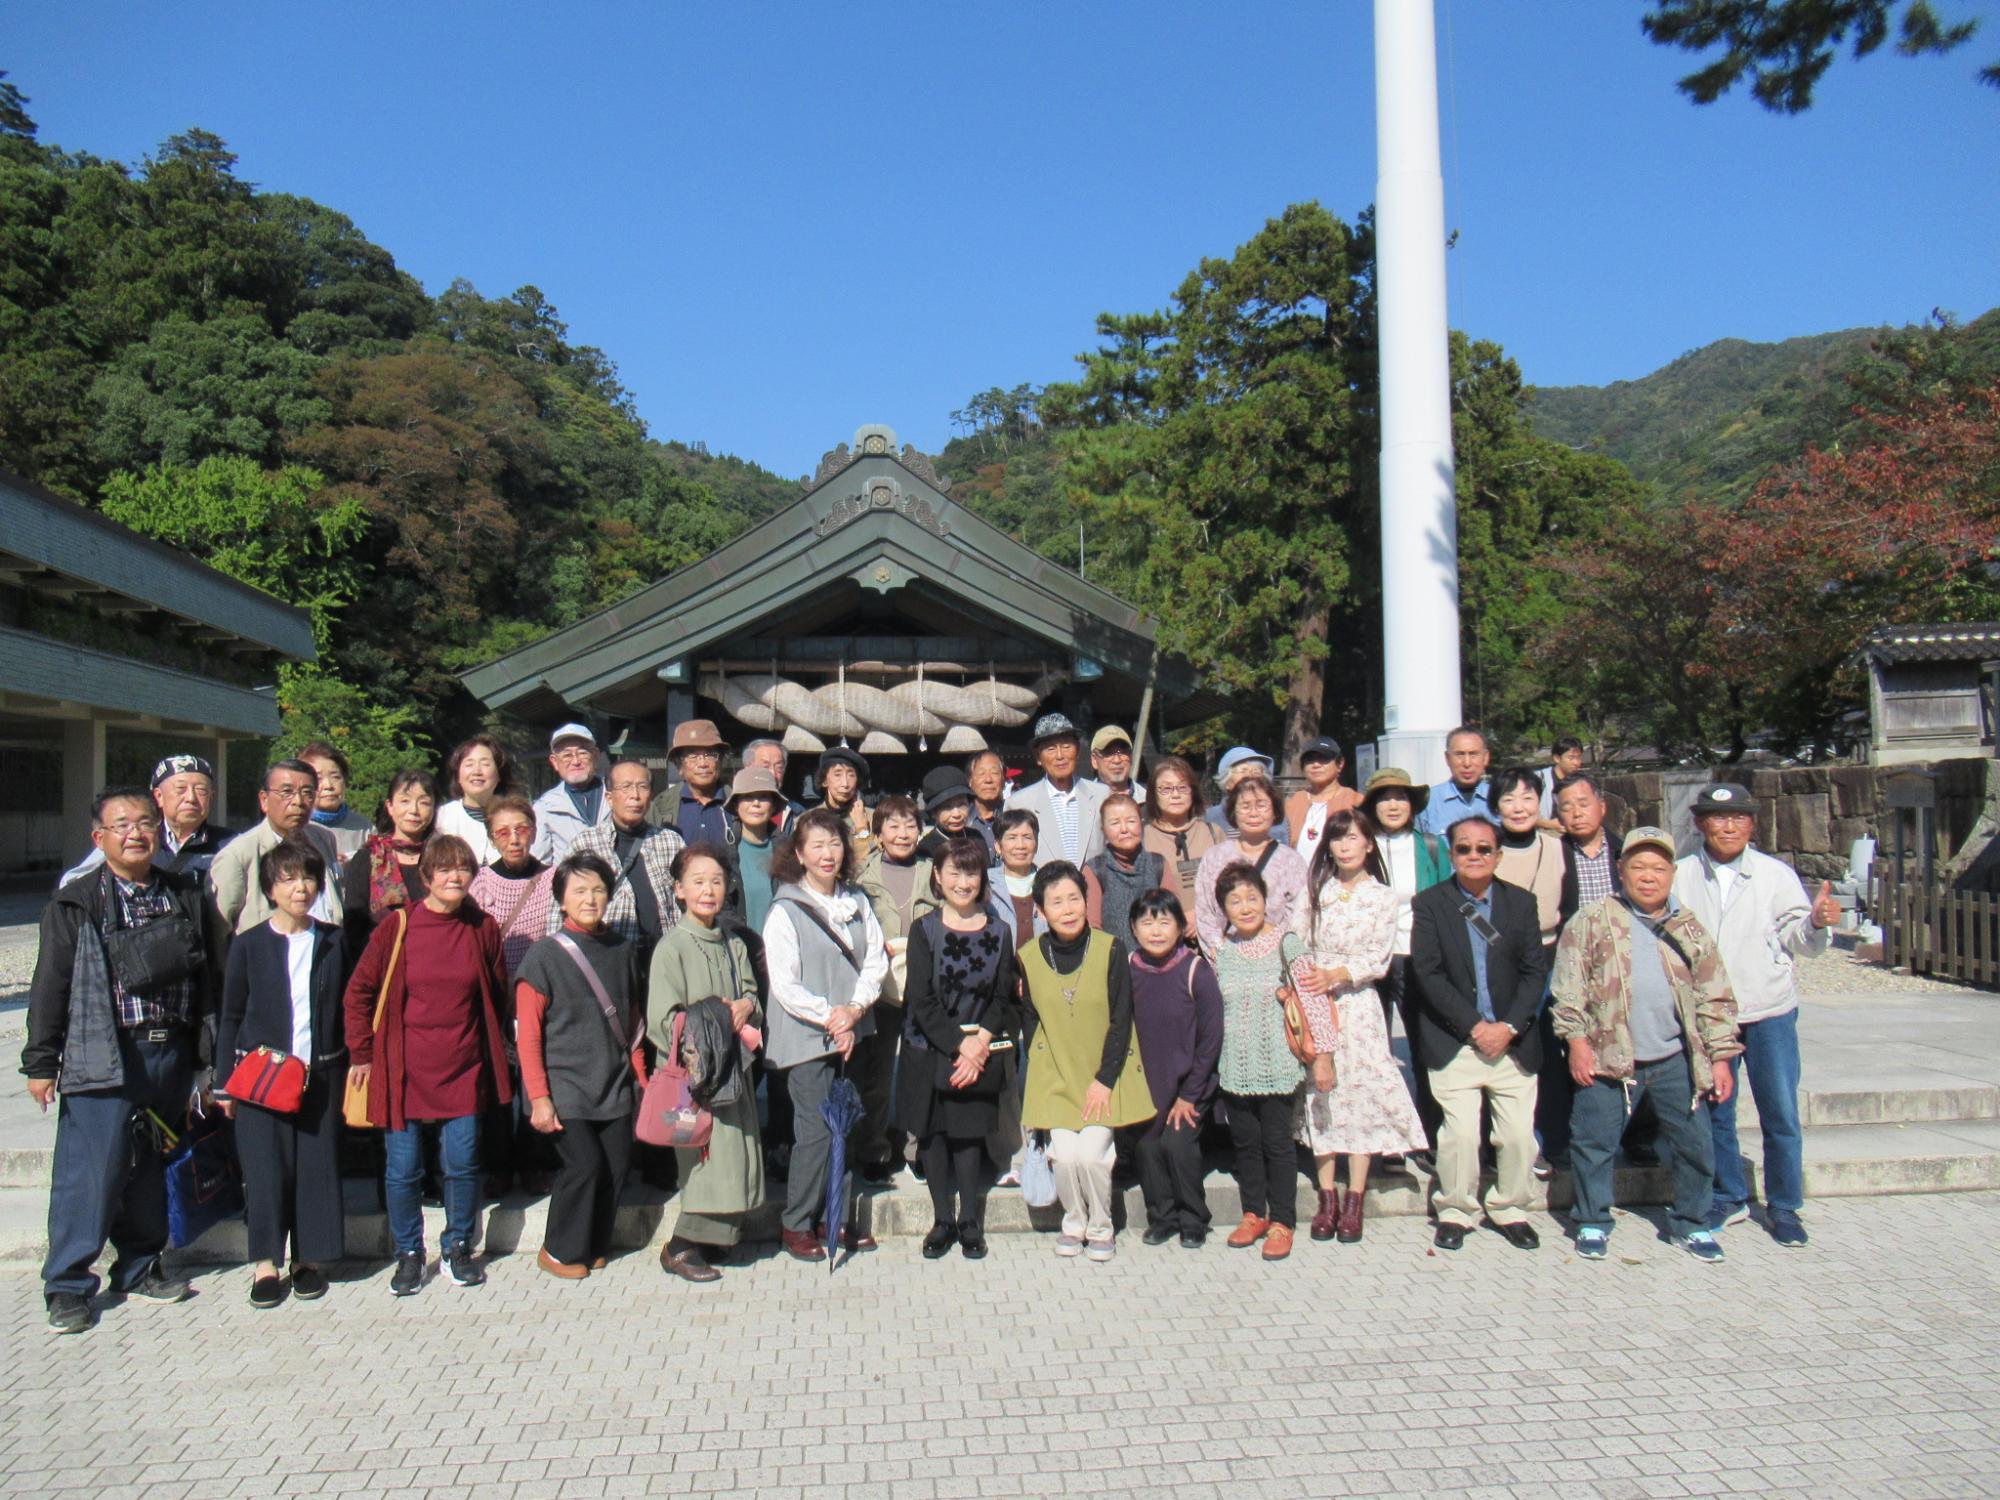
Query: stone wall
x,y
1810,816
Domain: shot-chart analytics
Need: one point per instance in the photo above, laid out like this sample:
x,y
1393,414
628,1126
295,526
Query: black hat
x,y
1326,746
1724,796
943,785
840,755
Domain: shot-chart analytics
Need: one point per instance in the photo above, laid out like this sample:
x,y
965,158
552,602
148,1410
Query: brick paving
x,y
1864,1366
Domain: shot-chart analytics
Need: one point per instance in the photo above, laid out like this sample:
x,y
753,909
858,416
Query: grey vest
x,y
823,971
1121,888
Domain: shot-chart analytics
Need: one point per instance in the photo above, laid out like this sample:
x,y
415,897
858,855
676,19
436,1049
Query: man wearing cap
x,y
1478,963
1762,921
1307,809
754,805
1464,794
694,804
183,791
291,787
947,802
576,801
843,775
1064,804
1111,761
1643,1009
1237,762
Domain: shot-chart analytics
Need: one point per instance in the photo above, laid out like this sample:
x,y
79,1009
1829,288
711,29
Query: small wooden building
x,y
874,612
1932,691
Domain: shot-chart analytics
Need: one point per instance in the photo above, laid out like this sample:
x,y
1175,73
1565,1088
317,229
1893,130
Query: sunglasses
x,y
1476,849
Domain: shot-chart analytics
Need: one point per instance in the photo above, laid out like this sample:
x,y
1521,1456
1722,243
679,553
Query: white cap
x,y
572,732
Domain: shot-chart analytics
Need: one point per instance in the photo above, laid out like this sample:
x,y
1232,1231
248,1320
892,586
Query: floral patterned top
x,y
1353,930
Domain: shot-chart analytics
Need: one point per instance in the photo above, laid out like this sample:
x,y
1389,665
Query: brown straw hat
x,y
1394,778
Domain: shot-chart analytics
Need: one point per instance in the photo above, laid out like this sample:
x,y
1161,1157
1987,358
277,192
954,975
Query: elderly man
x,y
1467,755
986,774
1644,1012
115,1045
1065,805
1111,762
576,801
183,791
1762,922
290,789
642,856
1477,960
695,804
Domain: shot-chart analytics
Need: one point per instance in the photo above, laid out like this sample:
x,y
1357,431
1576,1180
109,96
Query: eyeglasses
x,y
290,793
631,786
1478,851
127,828
574,752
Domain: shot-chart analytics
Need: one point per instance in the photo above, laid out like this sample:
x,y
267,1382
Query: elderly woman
x,y
1252,808
1124,872
1177,827
1085,1077
516,890
386,872
427,1022
479,770
330,809
896,877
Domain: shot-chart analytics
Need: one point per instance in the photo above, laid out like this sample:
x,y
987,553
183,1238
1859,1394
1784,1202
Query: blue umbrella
x,y
841,1110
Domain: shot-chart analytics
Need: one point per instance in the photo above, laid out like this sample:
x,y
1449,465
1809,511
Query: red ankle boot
x,y
1350,1218
1328,1215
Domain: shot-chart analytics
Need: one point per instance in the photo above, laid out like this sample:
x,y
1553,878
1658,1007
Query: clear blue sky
x,y
784,220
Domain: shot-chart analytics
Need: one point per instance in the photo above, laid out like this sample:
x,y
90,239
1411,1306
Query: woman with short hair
x,y
479,770
1177,827
330,806
1251,805
1530,856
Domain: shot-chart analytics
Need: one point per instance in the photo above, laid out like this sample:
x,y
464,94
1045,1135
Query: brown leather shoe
x,y
1328,1215
1278,1243
1350,1219
561,1269
1248,1232
689,1265
801,1245
853,1239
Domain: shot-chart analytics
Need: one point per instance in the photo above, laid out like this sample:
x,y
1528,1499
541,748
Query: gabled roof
x,y
872,519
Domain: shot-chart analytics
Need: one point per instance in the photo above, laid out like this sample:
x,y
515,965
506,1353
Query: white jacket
x,y
1764,925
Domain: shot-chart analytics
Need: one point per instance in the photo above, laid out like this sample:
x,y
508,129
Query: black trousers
x,y
1267,1158
877,1142
1170,1175
958,1173
291,1175
583,1204
1399,997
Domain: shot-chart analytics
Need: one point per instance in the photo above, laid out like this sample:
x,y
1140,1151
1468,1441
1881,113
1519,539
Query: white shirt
x,y
298,969
452,818
781,953
1307,839
1399,853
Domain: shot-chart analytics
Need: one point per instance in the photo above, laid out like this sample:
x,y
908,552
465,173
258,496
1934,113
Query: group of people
x,y
1016,981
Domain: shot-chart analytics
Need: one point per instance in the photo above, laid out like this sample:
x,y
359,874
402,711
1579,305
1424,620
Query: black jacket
x,y
257,999
1570,899
1447,988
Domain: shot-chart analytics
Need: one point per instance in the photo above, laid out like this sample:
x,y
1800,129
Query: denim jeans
x,y
1597,1119
1771,1051
403,1175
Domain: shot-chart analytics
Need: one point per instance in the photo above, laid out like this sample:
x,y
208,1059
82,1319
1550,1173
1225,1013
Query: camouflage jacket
x,y
1593,988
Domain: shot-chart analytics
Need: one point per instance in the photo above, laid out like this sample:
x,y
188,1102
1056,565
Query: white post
x,y
1420,667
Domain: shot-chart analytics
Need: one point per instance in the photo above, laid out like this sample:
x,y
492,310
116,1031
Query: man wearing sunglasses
x,y
1477,960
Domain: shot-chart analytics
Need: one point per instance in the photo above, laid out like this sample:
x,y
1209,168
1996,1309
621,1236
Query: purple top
x,y
1177,1012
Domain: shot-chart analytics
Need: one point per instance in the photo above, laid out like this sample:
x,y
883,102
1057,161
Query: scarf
x,y
386,887
327,819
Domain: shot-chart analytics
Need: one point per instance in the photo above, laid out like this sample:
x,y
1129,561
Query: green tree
x,y
377,739
1785,46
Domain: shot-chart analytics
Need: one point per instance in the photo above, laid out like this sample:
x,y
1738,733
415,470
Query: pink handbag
x,y
668,1115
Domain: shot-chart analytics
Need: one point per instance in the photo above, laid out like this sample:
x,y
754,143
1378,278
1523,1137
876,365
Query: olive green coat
x,y
691,963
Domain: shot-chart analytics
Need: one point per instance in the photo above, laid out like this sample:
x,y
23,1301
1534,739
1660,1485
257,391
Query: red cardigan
x,y
385,1081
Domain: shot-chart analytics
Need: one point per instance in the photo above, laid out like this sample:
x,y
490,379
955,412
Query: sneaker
x,y
1068,1246
409,1277
1702,1246
69,1312
1721,1216
1101,1249
465,1271
157,1286
1787,1230
1542,1170
1593,1244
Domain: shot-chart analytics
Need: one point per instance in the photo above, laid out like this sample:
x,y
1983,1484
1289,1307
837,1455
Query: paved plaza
x,y
1868,1365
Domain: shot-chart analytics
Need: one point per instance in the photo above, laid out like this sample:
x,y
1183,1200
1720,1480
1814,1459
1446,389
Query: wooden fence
x,y
1931,929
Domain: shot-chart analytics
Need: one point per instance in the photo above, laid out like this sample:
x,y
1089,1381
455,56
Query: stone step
x,y
1840,1161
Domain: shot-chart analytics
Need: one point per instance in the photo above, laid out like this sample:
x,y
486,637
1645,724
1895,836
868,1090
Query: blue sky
x,y
785,220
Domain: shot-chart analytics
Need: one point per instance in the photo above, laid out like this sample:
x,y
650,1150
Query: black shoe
x,y
1159,1234
972,1241
308,1283
939,1240
157,1286
1449,1236
1193,1239
878,1172
69,1312
267,1291
1520,1236
409,1277
464,1269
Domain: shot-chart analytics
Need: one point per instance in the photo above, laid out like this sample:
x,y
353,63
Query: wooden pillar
x,y
82,779
216,752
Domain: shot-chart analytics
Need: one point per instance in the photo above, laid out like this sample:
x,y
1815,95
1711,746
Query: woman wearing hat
x,y
1307,809
947,802
1415,861
842,775
753,806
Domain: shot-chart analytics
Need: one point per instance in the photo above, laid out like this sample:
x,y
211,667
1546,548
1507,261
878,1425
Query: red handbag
x,y
269,1079
668,1115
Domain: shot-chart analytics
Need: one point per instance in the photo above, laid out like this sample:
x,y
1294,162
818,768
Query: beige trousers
x,y
1460,1087
1081,1161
